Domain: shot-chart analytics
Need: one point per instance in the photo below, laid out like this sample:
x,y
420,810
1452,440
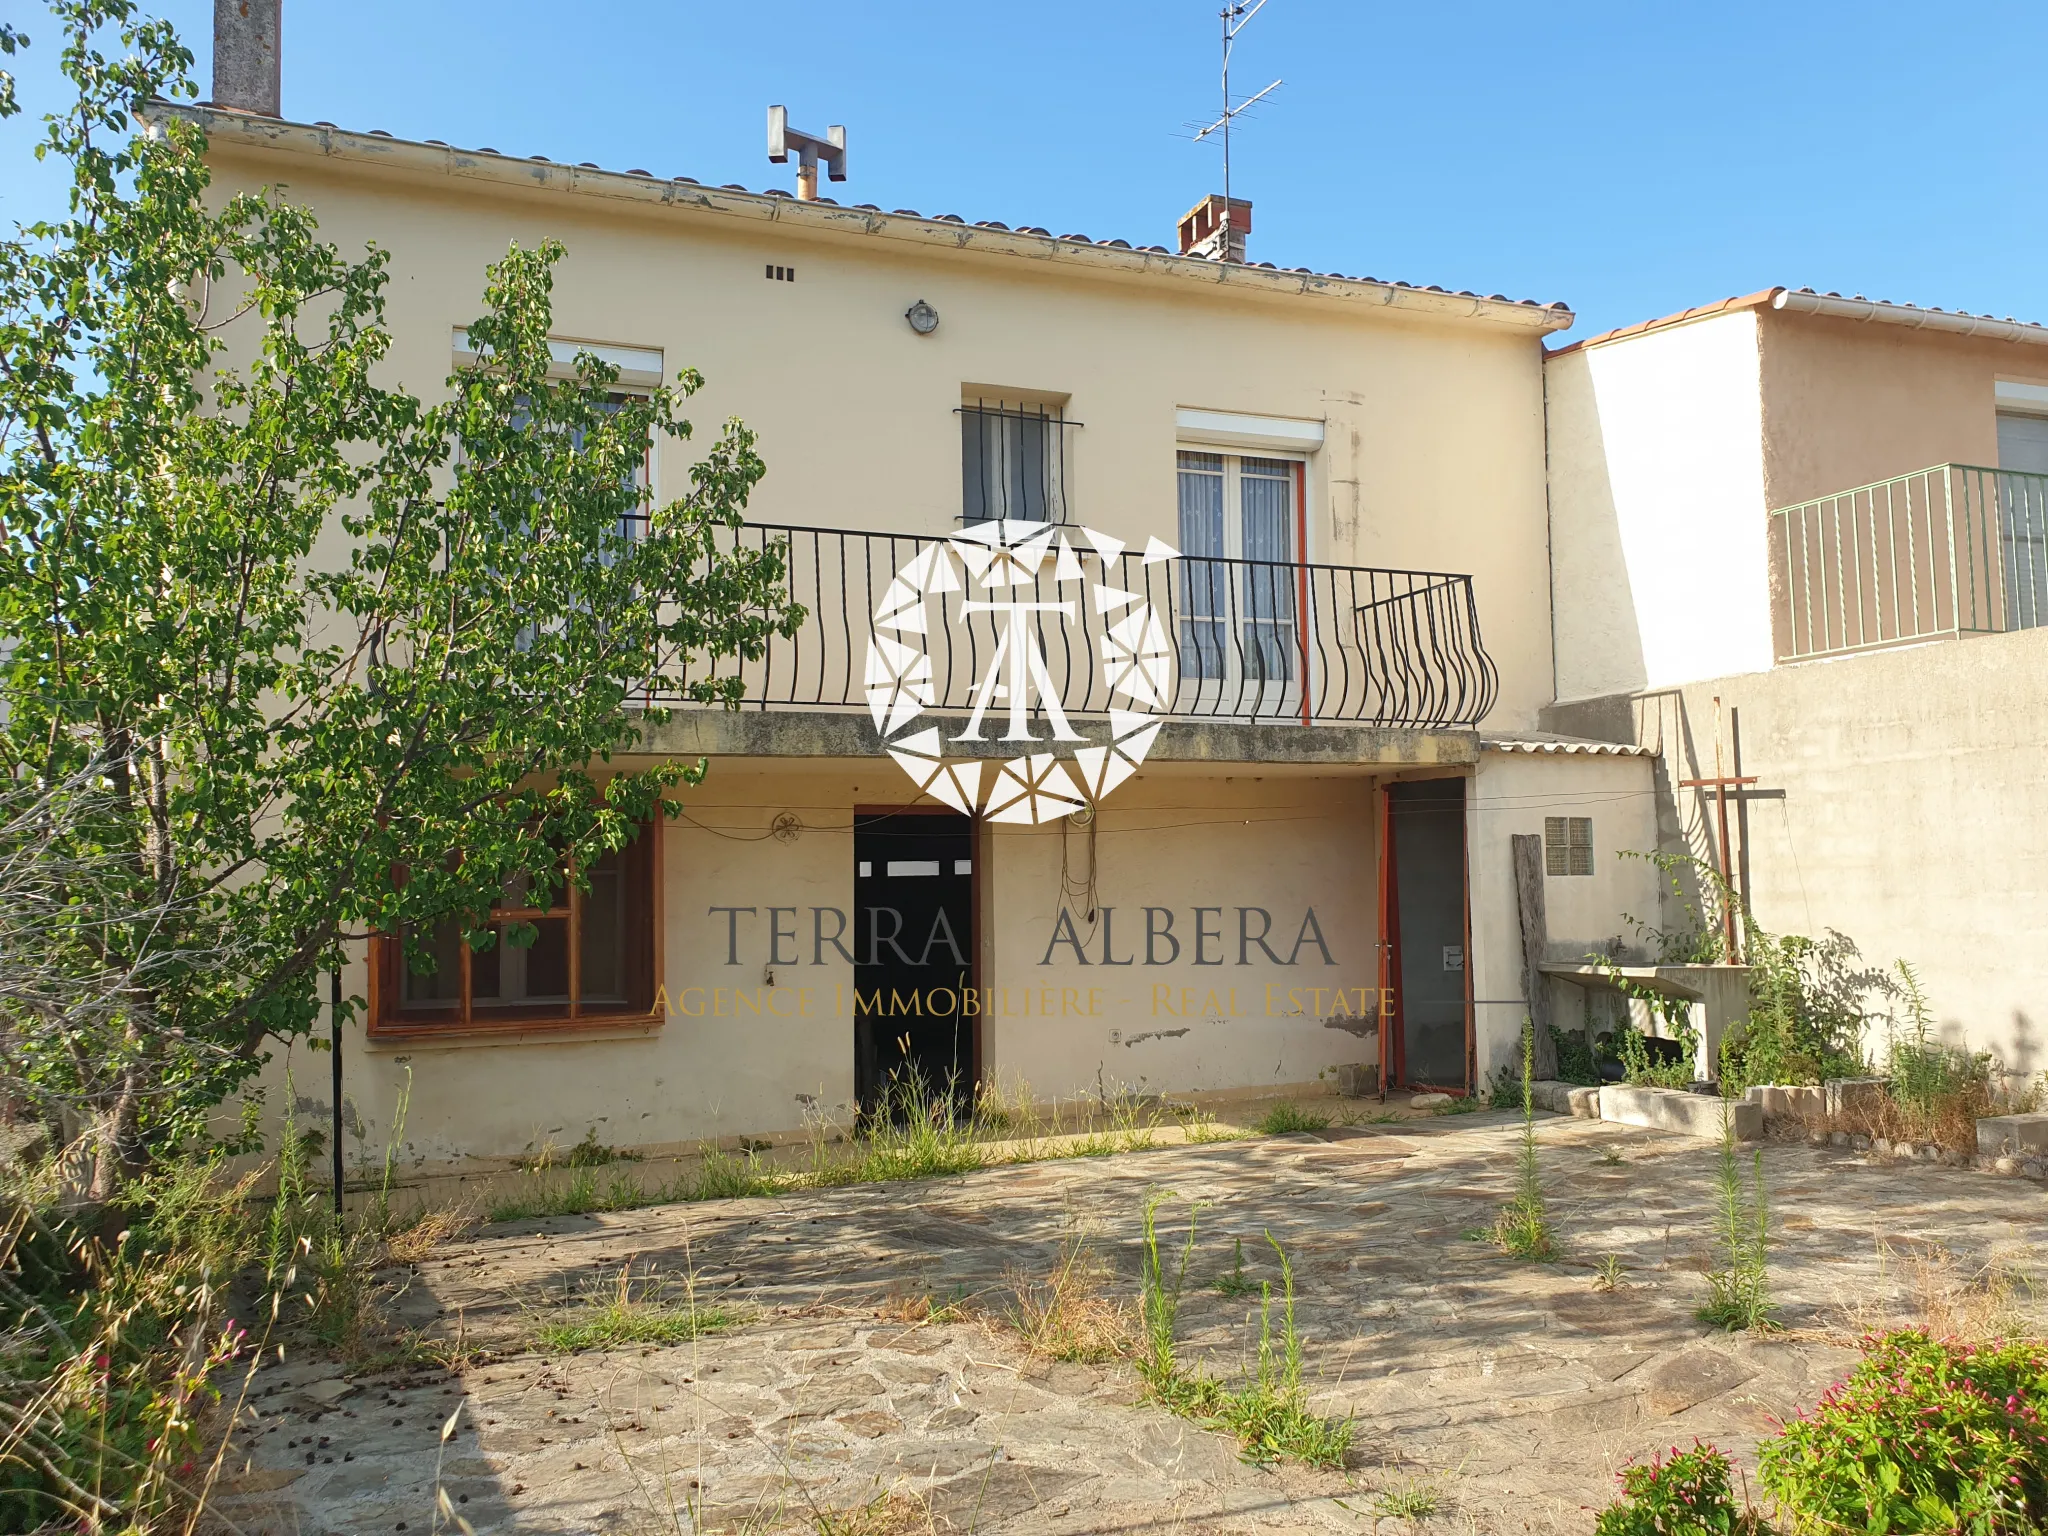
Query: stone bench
x,y
1660,1109
1674,1109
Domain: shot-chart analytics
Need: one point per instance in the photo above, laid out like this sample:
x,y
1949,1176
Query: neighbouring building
x,y
1814,529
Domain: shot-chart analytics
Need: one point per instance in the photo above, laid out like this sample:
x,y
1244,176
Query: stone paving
x,y
1509,1392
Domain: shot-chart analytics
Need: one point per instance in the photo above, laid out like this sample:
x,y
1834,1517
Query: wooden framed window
x,y
1568,845
594,960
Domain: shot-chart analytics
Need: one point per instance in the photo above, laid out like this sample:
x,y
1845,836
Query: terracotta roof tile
x,y
1113,244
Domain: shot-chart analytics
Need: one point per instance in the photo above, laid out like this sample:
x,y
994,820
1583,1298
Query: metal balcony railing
x,y
1956,549
1254,640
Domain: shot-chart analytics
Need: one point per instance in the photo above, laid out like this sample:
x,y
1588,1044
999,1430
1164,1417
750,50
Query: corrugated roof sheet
x,y
1550,744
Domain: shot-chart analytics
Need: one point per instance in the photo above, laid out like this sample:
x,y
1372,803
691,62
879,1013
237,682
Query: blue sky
x,y
1630,159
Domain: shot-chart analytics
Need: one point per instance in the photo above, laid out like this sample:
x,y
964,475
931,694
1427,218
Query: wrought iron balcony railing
x,y
1952,550
1254,640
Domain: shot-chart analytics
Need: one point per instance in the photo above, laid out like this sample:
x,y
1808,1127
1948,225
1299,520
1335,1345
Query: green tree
x,y
288,657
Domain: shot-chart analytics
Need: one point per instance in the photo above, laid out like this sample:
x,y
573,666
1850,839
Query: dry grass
x,y
1072,1313
417,1241
915,1307
1947,1119
890,1514
1931,1290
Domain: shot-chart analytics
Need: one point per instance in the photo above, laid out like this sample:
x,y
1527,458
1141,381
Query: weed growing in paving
x,y
1068,1315
1738,1292
1158,1302
1284,1119
923,1307
1202,1130
1608,1272
1236,1283
1417,1499
1523,1226
622,1318
579,1195
1268,1415
920,1133
722,1176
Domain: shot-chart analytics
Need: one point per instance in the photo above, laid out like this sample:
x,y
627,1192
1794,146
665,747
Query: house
x,y
1178,635
1802,540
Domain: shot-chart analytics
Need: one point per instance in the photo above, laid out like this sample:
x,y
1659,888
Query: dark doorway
x,y
913,896
1426,821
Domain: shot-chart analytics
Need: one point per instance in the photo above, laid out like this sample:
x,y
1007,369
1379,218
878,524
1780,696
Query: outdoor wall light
x,y
922,317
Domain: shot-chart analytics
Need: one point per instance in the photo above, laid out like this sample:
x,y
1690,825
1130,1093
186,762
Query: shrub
x,y
110,1343
1689,1493
1924,1435
1936,1091
1578,1062
1807,1013
1631,1048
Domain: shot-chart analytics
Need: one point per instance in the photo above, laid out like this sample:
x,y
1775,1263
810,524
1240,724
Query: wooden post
x,y
1720,783
1528,862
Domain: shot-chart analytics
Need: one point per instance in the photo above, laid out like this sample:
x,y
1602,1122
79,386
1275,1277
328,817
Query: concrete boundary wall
x,y
1899,802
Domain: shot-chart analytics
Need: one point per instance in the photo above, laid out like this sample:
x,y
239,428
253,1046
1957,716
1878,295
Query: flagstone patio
x,y
1506,1394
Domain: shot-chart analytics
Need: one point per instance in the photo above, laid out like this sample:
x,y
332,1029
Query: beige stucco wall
x,y
1244,846
1511,793
724,1065
1903,808
1433,454
1659,556
1847,403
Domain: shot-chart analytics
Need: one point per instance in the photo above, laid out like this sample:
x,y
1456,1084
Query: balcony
x,y
1256,643
1952,550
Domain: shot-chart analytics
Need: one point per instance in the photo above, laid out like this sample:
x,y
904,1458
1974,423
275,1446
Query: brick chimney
x,y
245,55
1202,231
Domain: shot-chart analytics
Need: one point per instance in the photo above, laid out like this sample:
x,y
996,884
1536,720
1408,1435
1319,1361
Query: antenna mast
x,y
1235,15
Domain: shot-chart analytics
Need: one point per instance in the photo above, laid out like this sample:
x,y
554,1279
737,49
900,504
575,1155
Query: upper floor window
x,y
1013,461
1238,618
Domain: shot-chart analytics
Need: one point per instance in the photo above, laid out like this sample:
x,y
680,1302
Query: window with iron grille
x,y
1013,461
1568,845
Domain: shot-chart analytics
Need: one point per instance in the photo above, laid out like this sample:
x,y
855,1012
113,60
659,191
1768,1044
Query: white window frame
x,y
1274,698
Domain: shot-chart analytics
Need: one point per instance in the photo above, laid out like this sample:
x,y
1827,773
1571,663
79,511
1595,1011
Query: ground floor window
x,y
591,961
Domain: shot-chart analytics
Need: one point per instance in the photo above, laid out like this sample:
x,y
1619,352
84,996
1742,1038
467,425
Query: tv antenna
x,y
1235,16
